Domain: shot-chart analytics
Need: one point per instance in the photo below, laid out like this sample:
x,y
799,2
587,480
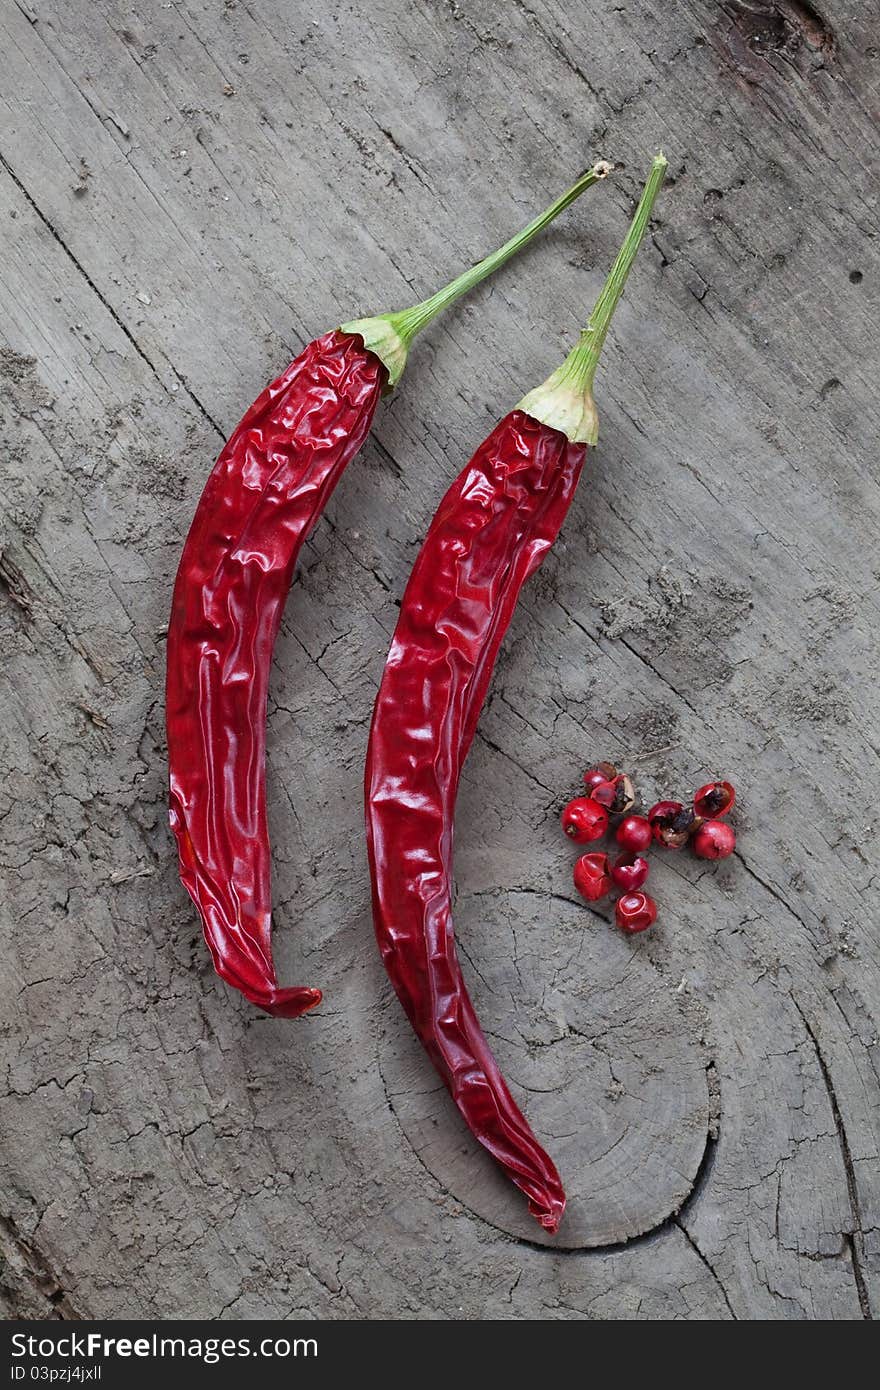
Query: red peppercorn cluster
x,y
668,823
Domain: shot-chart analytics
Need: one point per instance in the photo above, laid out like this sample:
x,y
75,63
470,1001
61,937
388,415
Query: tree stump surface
x,y
190,192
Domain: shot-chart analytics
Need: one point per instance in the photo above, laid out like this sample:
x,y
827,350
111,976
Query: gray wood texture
x,y
189,191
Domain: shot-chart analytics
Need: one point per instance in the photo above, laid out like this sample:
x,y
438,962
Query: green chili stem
x,y
565,400
580,365
390,336
409,322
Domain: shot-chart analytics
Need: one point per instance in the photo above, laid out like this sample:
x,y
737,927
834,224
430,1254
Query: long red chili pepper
x,y
491,531
268,488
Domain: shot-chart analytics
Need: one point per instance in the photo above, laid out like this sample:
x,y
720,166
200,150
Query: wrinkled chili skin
x,y
267,489
491,531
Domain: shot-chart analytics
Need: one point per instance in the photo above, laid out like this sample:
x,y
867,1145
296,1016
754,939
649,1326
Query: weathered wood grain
x,y
190,191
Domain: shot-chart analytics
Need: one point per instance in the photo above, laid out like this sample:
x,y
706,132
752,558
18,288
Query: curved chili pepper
x,y
491,531
268,488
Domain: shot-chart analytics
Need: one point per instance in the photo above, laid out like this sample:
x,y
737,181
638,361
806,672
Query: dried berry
x,y
634,833
604,793
592,877
584,820
617,795
714,799
672,823
714,839
635,912
602,772
629,871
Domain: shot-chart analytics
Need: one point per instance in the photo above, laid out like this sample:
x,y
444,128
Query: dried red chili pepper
x,y
269,486
491,531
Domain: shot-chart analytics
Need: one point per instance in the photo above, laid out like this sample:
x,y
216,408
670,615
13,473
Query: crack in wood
x,y
853,1238
707,1262
32,1288
13,582
105,302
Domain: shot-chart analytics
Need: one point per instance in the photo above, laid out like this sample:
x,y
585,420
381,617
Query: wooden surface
x,y
192,190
